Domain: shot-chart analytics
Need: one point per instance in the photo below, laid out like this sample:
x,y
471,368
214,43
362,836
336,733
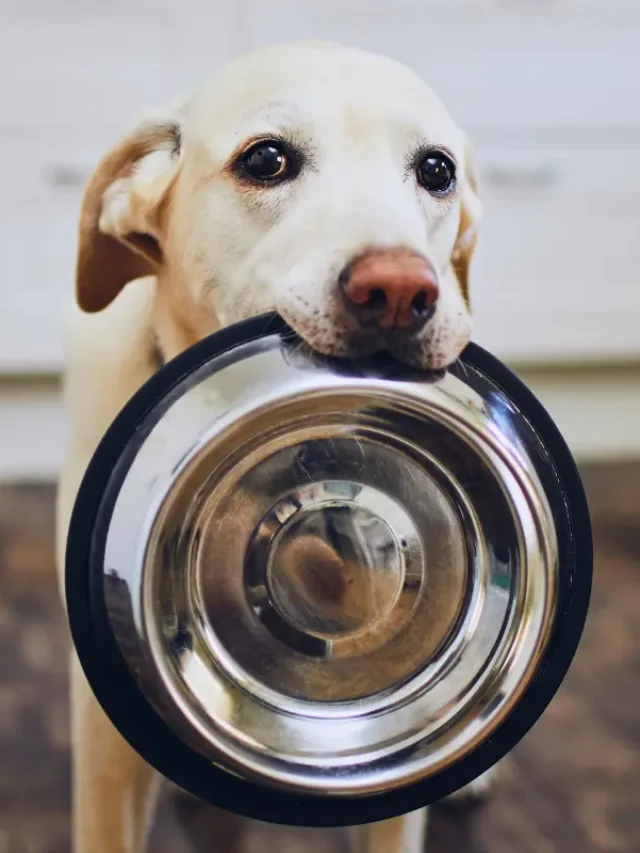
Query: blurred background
x,y
549,92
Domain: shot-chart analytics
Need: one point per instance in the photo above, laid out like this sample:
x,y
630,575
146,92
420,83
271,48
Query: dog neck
x,y
176,324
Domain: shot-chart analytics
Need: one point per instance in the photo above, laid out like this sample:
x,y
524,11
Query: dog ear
x,y
121,218
470,216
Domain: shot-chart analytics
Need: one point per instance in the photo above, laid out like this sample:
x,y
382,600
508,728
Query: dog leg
x,y
404,834
475,792
114,790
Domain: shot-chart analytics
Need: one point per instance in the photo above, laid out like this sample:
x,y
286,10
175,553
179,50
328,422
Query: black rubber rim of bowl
x,y
127,707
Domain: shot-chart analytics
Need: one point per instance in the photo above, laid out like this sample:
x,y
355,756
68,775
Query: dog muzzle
x,y
323,592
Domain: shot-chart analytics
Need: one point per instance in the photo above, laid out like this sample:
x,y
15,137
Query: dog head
x,y
323,182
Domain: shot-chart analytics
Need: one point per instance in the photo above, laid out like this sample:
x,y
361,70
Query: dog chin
x,y
416,355
347,340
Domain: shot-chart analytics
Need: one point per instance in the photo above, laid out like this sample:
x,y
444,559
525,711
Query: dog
x,y
320,181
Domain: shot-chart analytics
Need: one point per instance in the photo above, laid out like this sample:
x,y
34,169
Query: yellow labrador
x,y
321,181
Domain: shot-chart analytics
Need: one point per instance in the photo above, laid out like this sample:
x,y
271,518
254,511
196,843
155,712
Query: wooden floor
x,y
572,786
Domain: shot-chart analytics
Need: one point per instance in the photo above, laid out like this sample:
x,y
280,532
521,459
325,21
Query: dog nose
x,y
391,288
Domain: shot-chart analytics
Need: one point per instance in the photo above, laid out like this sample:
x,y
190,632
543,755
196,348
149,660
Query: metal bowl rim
x,y
149,735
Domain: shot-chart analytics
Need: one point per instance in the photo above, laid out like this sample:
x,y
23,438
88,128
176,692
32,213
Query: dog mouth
x,y
407,350
389,351
343,338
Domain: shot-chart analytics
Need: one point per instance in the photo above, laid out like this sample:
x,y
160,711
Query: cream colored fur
x,y
165,215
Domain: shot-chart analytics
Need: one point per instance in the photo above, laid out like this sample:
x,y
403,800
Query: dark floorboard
x,y
572,785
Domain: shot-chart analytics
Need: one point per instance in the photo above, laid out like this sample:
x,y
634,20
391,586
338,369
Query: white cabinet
x,y
73,76
41,196
67,62
509,64
555,271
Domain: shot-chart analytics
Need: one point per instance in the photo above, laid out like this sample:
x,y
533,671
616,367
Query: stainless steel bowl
x,y
327,592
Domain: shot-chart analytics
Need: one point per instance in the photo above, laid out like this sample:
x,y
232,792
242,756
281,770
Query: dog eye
x,y
266,161
436,173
